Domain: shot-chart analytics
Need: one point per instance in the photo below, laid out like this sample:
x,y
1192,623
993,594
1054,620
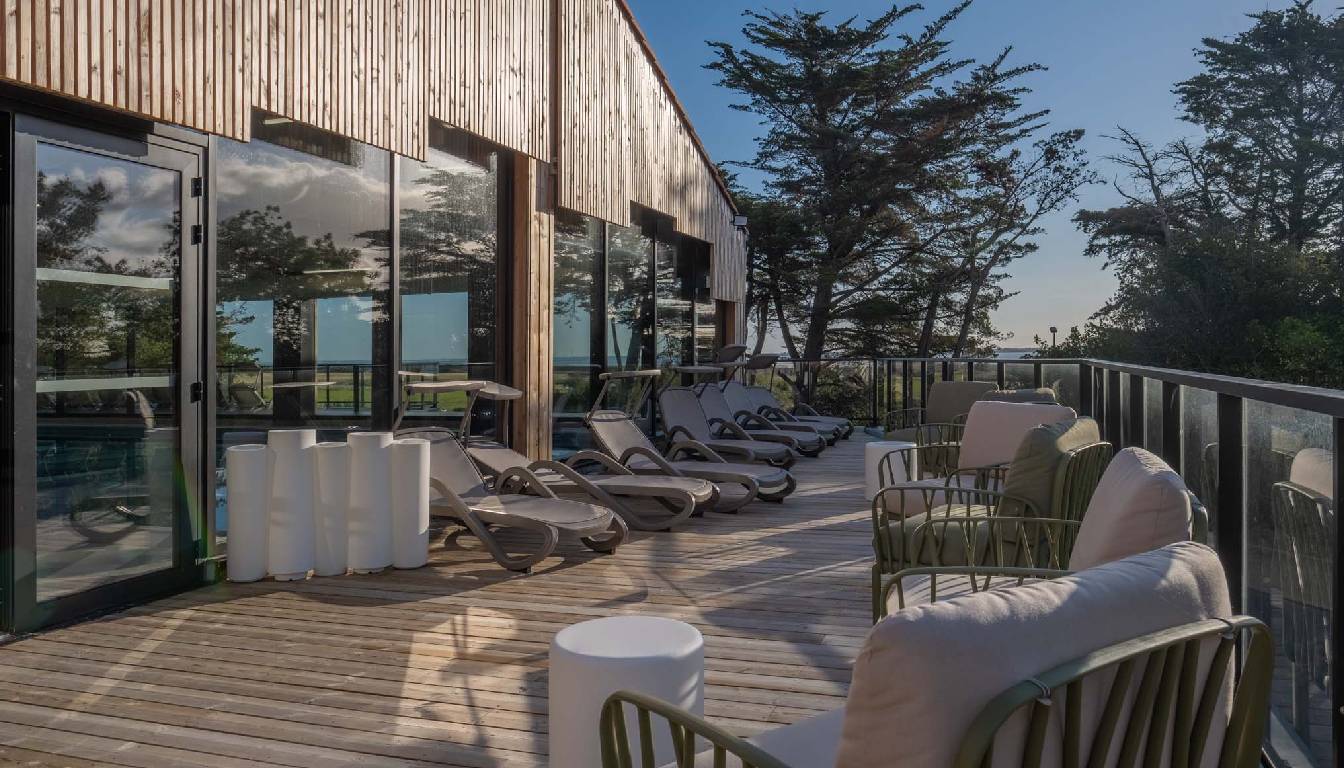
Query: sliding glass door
x,y
106,366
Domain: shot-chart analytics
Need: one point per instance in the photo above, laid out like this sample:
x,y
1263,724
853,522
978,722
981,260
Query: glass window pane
x,y
675,315
1290,531
577,326
303,240
108,303
449,219
1064,380
629,299
1199,449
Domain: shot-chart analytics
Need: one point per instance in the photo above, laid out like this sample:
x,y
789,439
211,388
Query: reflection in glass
x,y
449,218
108,254
577,322
302,282
675,282
1290,530
629,299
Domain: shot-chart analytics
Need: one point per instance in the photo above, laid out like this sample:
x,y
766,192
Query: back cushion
x,y
925,672
1038,395
950,399
1314,469
1140,504
995,430
1038,459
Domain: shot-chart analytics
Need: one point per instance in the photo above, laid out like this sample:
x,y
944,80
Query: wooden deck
x,y
446,665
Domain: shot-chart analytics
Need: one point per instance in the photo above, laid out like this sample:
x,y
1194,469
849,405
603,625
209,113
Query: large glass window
x,y
676,321
449,218
577,325
108,258
629,298
302,235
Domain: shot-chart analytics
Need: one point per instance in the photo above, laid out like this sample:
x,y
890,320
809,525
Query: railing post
x,y
886,378
999,373
1230,533
1137,405
872,400
1337,605
907,387
1086,407
923,383
1171,426
947,370
1113,424
1037,380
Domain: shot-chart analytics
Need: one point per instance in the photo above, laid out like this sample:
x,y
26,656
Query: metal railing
x,y
1247,448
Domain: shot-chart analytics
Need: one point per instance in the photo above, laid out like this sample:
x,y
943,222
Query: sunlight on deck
x,y
446,665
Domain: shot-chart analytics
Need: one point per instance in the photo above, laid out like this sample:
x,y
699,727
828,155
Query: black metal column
x,y
1135,429
1171,425
1112,425
1230,525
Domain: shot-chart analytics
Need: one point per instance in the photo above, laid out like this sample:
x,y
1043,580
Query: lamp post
x,y
1053,331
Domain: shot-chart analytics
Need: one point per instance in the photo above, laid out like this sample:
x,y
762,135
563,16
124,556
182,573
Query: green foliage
x,y
1229,249
900,181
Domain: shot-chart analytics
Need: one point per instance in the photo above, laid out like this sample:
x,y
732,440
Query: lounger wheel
x,y
609,541
710,504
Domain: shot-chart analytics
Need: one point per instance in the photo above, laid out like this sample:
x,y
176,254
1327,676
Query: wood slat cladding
x,y
624,138
378,70
489,70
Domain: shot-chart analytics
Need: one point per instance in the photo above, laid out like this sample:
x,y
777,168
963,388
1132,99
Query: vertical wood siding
x,y
379,70
624,138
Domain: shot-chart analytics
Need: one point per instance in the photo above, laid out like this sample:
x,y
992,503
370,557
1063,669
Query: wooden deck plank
x,y
446,665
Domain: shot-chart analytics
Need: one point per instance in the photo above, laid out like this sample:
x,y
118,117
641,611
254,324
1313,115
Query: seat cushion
x,y
995,430
1031,475
925,672
1139,505
940,544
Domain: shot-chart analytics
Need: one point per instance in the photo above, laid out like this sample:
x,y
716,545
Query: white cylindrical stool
x,y
370,516
331,507
594,659
409,472
872,457
291,543
249,504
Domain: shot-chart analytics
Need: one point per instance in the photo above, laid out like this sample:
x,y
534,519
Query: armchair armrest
x,y
608,463
939,433
903,418
686,727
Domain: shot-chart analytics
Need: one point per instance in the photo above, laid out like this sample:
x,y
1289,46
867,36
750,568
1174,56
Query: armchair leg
x,y
879,610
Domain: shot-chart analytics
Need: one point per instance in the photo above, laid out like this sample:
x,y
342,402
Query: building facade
x,y
226,216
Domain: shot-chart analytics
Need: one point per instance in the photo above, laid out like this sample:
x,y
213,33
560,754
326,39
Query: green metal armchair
x,y
1158,670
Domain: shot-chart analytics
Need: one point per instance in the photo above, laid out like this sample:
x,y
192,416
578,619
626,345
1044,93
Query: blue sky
x,y
1110,63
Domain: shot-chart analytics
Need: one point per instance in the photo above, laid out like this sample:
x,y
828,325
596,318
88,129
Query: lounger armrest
x,y
729,428
447,495
651,455
525,479
805,409
607,462
679,430
777,414
695,448
749,419
570,474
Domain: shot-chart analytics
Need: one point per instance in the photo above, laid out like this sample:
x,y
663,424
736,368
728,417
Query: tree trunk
x,y
930,318
978,280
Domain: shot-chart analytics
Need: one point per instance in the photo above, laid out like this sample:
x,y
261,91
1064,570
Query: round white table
x,y
872,456
594,659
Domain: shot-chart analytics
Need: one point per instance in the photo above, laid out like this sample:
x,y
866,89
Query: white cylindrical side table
x,y
409,459
872,457
594,659
331,507
291,545
370,516
249,504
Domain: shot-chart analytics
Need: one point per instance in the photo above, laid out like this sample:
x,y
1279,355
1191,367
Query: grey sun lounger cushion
x,y
620,437
682,495
717,408
682,414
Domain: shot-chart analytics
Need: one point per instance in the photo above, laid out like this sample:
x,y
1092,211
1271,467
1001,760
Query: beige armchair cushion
x,y
925,672
1314,469
1139,505
995,430
950,399
1038,460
